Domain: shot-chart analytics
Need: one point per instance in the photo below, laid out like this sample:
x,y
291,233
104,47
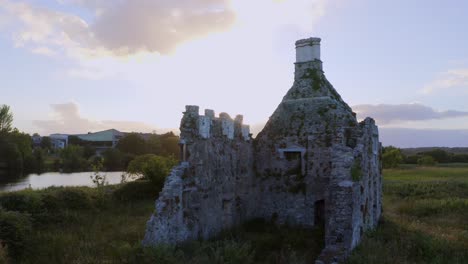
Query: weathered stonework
x,y
312,164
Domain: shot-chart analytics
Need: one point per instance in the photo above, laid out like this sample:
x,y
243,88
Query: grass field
x,y
425,221
425,217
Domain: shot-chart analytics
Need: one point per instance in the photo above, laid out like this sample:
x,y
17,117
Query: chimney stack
x,y
307,50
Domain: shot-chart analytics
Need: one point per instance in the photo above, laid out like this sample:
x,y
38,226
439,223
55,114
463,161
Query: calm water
x,y
48,179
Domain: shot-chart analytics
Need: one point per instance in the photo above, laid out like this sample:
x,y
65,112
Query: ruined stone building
x,y
312,164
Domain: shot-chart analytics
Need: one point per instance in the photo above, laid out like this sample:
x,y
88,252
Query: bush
x,y
137,190
391,157
15,228
25,202
48,205
72,158
154,168
426,161
74,198
114,160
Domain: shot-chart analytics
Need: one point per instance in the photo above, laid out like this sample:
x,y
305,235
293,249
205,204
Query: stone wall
x,y
313,164
211,189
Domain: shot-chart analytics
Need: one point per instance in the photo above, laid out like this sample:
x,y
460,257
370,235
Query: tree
x,y
391,157
46,143
133,144
114,160
152,167
72,158
6,119
36,161
89,151
438,155
154,144
23,141
11,160
170,145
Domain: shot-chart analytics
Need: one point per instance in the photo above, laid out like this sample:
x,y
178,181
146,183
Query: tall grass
x,y
425,218
425,221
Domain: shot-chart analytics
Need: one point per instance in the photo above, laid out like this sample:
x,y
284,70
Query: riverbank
x,y
425,220
49,179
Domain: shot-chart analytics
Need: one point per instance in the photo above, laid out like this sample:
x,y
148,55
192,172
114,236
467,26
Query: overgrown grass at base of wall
x,y
425,221
395,243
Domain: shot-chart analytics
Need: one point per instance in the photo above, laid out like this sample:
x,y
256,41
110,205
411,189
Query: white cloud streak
x,y
389,114
455,78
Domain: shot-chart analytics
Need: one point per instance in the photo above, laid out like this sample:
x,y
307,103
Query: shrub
x,y
154,168
114,160
426,160
73,159
51,202
137,190
391,157
15,228
24,201
73,198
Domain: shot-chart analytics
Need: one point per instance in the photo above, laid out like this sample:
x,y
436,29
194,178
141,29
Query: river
x,y
41,181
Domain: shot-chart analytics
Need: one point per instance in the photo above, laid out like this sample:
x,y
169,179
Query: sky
x,y
76,66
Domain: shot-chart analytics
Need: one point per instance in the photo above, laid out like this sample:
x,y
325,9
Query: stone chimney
x,y
307,50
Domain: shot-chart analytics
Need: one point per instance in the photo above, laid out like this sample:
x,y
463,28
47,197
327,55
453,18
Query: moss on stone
x,y
356,171
315,76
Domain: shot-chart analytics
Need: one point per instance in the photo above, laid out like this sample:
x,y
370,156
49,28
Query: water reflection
x,y
48,179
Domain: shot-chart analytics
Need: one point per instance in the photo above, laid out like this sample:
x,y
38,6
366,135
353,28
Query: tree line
x,y
392,157
19,156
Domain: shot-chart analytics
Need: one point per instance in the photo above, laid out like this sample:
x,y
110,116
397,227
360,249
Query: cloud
x,y
125,27
414,138
450,79
38,28
159,26
386,113
67,119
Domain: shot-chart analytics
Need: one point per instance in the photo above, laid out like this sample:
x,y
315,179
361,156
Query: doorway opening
x,y
320,213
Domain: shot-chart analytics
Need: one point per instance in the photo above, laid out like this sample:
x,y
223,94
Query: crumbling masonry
x,y
312,164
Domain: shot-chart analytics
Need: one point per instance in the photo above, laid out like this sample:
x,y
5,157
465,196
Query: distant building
x,y
36,139
59,141
101,140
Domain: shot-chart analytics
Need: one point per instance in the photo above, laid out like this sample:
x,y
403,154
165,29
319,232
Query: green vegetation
x,y
425,218
426,160
437,154
78,225
425,221
356,170
391,157
315,75
6,119
18,154
152,167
